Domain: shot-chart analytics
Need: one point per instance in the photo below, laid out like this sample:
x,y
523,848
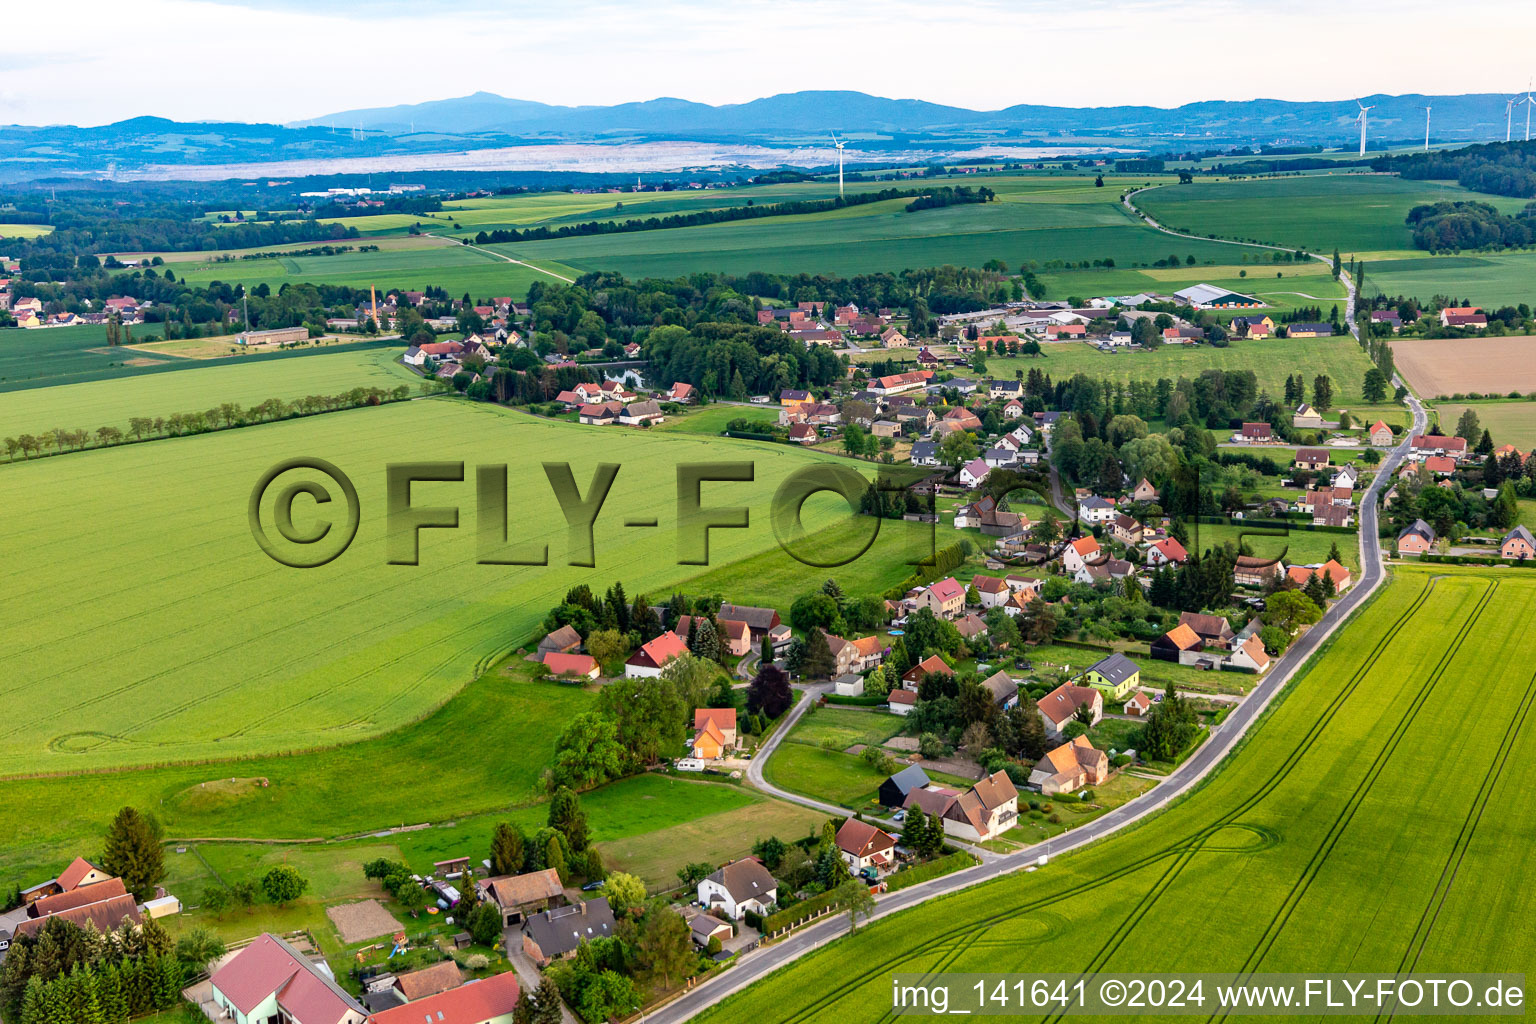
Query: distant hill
x,y
1465,118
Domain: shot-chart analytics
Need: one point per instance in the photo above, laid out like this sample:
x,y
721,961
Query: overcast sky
x,y
95,61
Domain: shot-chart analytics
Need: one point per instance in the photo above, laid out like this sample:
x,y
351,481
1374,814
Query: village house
x,y
1078,553
601,414
865,846
1463,316
1059,707
714,733
1167,551
931,665
1416,539
1301,575
269,980
556,934
1255,433
1070,767
1517,544
974,472
561,641
738,887
1309,330
1114,676
1174,644
682,393
481,1001
1095,510
651,658
1213,630
987,809
1144,491
945,598
1424,445
1312,458
1380,435
1306,418
1389,317
1252,326
1003,688
518,896
992,591
574,666
1126,530
760,621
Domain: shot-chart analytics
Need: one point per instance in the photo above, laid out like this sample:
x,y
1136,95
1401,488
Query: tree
x,y
133,852
819,662
706,642
957,448
506,849
770,851
1322,391
1375,387
666,945
812,612
199,947
769,692
484,923
606,646
587,753
547,1004
283,884
1289,610
625,892
1468,426
567,817
854,897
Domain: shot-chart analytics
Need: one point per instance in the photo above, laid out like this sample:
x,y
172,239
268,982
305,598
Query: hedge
x,y
798,914
1513,563
933,869
863,702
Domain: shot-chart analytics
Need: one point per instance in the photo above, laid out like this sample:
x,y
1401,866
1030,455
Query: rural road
x,y
767,959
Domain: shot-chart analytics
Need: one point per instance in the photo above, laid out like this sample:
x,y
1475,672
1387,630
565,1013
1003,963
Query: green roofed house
x,y
1114,676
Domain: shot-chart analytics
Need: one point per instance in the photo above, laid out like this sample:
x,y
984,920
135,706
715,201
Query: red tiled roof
x,y
722,718
78,868
661,650
576,664
947,589
471,1003
80,897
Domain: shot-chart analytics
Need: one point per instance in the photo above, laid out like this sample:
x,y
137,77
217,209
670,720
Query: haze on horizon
x,y
92,62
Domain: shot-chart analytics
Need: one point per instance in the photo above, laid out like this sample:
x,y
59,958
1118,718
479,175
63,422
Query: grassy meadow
x,y
1282,286
174,638
1259,869
1487,279
92,404
1509,421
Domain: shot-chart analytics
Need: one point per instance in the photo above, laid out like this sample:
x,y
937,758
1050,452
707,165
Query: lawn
x,y
1051,658
829,775
711,419
1301,547
92,404
179,640
656,855
1260,868
846,726
1271,360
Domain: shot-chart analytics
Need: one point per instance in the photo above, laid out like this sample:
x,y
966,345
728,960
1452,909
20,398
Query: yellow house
x,y
1114,676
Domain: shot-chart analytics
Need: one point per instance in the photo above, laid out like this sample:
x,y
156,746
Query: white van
x,y
690,764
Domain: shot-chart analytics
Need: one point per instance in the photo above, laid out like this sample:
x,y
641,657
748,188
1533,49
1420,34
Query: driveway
x,y
528,975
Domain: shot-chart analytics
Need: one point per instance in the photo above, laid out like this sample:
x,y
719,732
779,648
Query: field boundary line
x,y
509,259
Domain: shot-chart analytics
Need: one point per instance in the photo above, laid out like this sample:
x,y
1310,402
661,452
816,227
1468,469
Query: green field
x,y
1488,279
170,636
1300,547
1261,868
1035,218
1315,212
458,268
199,386
712,418
1271,360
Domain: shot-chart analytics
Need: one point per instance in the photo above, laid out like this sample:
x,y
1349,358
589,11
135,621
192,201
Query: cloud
x,y
280,60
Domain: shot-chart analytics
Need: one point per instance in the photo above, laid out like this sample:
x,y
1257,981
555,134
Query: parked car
x,y
593,886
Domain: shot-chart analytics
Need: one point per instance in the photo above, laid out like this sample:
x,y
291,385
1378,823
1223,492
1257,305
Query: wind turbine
x,y
1362,119
1426,129
839,146
1529,103
1509,116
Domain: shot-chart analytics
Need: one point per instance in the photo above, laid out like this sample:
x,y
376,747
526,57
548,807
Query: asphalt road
x,y
767,959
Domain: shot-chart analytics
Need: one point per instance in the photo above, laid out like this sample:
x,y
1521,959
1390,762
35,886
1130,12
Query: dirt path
x,y
508,259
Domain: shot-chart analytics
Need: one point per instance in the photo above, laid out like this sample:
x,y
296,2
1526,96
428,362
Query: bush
x,y
932,869
1054,819
714,945
477,961
1087,796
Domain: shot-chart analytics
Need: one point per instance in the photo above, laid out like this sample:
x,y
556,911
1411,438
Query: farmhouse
x,y
738,887
1309,330
1069,767
270,980
1252,326
1208,296
1438,444
988,808
761,621
1175,643
557,934
1126,530
974,472
652,657
517,896
1060,706
1380,435
931,665
563,640
1301,575
1388,317
1213,630
1256,572
865,846
894,790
